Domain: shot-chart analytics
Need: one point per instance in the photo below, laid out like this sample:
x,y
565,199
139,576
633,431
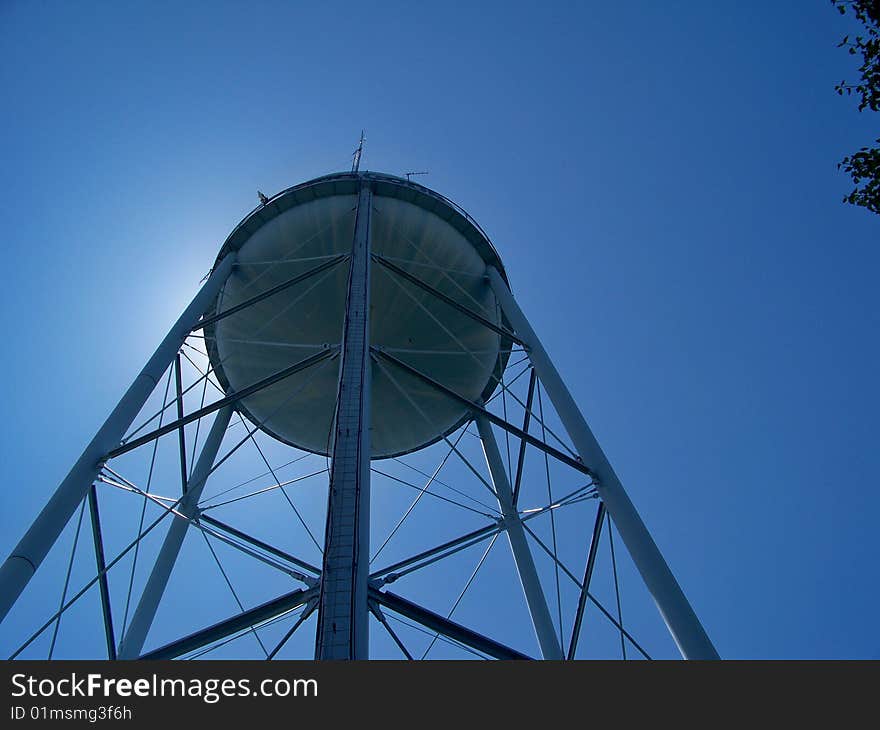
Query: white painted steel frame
x,y
350,516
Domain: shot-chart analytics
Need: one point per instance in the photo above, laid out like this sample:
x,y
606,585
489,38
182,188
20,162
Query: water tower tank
x,y
412,228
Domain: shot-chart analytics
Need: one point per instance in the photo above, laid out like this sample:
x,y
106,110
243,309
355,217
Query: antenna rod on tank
x,y
410,174
356,163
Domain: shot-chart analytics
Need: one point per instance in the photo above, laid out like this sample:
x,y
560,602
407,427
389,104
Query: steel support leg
x,y
522,556
343,612
683,624
38,540
133,641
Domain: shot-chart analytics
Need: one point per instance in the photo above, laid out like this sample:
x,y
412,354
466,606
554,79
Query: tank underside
x,y
310,226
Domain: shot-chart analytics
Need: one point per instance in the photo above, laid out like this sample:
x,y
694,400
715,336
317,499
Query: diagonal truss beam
x,y
217,405
102,573
588,575
239,622
256,542
520,460
477,535
479,410
380,617
447,299
270,292
303,617
181,432
436,622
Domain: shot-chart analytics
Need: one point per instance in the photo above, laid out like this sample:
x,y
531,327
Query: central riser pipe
x,y
343,612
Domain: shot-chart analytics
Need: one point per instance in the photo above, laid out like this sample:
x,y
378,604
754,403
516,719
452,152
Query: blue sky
x,y
659,179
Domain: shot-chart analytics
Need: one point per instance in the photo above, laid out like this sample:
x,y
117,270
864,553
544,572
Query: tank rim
x,y
337,181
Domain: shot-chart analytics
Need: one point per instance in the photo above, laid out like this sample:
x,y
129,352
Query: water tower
x,y
360,317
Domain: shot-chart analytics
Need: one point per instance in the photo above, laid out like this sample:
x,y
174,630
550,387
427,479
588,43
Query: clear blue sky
x,y
659,178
